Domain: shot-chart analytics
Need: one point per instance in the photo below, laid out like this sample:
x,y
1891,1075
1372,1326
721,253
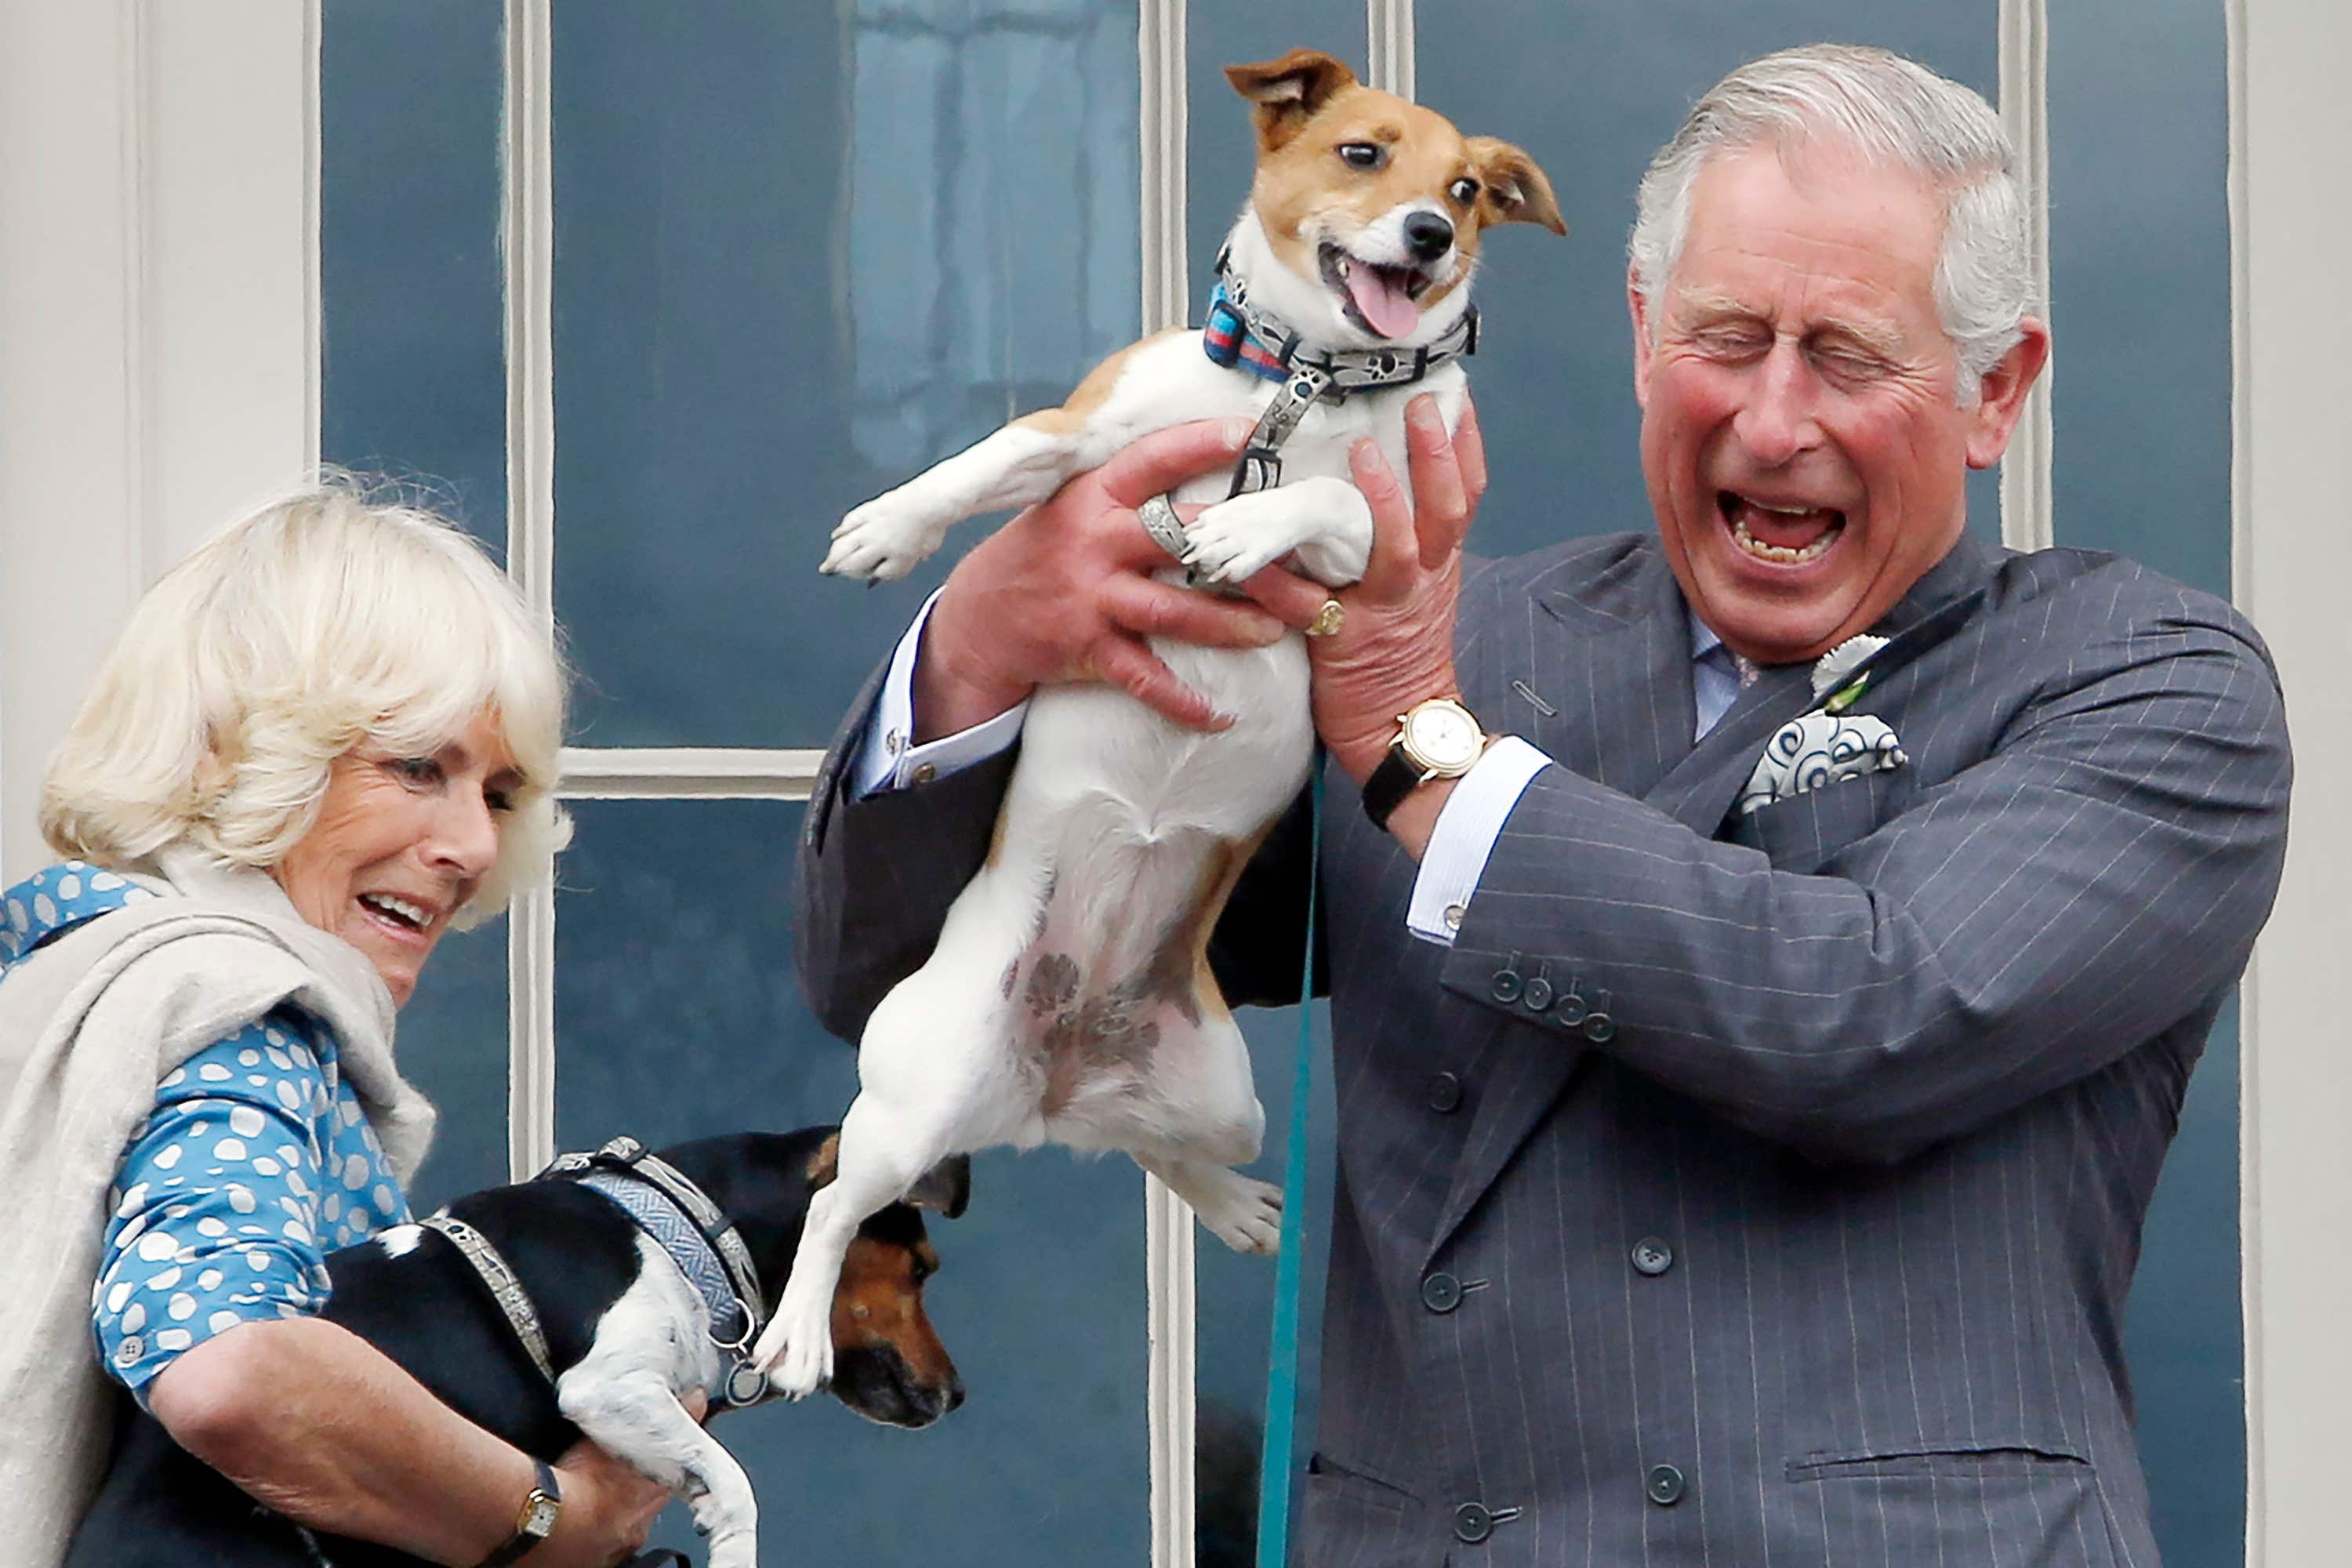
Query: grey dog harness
x,y
698,1237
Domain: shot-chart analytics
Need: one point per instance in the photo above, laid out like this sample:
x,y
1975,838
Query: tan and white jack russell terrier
x,y
1069,997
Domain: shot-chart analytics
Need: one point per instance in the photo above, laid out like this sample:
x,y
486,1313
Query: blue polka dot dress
x,y
254,1162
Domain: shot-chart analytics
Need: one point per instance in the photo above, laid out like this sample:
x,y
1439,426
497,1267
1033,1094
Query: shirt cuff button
x,y
1453,913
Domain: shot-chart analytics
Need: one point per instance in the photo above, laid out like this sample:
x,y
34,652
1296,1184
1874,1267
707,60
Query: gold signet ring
x,y
1329,619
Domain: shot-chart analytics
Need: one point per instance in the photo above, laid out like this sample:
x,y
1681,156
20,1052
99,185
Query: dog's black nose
x,y
955,1393
1429,235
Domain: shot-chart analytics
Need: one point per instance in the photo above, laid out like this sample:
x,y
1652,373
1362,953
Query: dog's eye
x,y
1364,154
1464,191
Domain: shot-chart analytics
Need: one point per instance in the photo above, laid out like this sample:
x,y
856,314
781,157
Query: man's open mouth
x,y
1380,299
1783,535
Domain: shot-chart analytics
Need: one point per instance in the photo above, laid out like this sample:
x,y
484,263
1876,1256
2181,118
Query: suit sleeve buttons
x,y
1539,992
1445,1094
1507,985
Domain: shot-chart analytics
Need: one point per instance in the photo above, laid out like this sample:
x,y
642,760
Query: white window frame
x,y
159,368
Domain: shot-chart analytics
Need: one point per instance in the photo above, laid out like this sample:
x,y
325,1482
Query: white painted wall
x,y
158,348
2291,176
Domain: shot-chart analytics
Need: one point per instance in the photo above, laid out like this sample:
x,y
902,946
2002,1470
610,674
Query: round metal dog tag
x,y
746,1384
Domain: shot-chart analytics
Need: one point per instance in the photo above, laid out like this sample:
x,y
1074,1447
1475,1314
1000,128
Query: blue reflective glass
x,y
802,252
677,1014
414,386
2139,276
1235,1295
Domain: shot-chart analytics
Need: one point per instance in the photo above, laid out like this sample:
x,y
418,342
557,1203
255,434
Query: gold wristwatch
x,y
535,1522
1439,739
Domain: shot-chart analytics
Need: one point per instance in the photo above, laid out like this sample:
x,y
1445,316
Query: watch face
x,y
1443,737
541,1517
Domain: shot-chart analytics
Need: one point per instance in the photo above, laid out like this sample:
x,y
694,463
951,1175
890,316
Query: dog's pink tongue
x,y
1387,308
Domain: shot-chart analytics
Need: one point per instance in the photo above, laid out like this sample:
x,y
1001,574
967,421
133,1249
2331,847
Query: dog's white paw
x,y
1242,1211
797,1347
1233,540
883,541
734,1540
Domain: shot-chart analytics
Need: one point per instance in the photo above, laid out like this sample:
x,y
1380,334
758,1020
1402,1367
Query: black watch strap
x,y
535,1521
1385,789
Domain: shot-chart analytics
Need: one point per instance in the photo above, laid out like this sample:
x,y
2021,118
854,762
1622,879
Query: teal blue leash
x,y
1282,1369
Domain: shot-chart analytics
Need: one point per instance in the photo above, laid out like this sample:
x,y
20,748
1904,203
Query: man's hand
x,y
1396,646
1065,592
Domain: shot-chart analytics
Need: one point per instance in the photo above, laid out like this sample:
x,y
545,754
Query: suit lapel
x,y
1634,657
1611,657
1698,793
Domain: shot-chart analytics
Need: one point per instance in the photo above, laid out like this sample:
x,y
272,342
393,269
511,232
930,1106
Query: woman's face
x,y
400,845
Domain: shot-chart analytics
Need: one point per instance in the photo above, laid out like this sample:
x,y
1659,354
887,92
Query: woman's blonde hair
x,y
321,621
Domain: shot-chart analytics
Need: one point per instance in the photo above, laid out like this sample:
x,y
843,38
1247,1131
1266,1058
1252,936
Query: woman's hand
x,y
1065,592
1396,645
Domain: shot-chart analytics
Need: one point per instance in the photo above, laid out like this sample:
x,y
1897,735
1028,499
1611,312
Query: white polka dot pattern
x,y
237,1234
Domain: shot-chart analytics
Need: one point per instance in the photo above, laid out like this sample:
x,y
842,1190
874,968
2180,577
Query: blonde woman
x,y
324,739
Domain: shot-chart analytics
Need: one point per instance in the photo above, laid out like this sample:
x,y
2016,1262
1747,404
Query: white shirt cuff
x,y
888,760
1467,826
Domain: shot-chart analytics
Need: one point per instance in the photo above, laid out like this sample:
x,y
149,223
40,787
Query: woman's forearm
x,y
315,1422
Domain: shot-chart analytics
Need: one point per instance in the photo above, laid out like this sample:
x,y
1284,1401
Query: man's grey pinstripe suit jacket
x,y
1819,1253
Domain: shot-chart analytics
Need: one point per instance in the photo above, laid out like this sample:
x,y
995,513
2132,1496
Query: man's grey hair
x,y
1891,110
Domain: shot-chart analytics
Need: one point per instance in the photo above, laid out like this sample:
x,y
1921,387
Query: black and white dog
x,y
625,1324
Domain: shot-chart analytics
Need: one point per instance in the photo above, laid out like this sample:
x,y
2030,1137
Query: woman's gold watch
x,y
535,1522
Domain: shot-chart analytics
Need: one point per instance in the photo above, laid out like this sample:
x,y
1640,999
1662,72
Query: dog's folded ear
x,y
945,1188
1512,189
1290,91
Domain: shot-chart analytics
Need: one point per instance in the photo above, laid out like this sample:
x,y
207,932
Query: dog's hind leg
x,y
631,1414
1242,1211
933,1071
881,1154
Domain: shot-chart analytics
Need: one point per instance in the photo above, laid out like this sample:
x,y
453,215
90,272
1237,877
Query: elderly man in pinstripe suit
x,y
1730,1172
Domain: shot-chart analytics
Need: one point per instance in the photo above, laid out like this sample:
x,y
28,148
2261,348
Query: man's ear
x,y
1511,188
1640,310
945,1188
1288,92
2001,399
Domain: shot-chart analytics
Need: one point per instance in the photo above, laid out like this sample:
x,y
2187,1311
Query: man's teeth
x,y
399,909
1781,553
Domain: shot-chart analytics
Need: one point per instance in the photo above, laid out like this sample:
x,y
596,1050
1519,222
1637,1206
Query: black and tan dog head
x,y
888,1365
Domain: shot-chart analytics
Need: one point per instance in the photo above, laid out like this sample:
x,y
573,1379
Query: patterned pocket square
x,y
1816,748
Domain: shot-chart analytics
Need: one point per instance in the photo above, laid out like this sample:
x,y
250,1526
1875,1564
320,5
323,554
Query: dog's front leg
x,y
1019,465
1325,520
631,1412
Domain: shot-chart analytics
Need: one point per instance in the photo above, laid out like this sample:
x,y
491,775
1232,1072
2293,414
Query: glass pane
x,y
453,1046
804,251
1234,1294
411,291
1220,153
414,386
2139,235
677,1014
1590,90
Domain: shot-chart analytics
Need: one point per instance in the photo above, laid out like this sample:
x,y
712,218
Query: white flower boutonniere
x,y
1830,743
